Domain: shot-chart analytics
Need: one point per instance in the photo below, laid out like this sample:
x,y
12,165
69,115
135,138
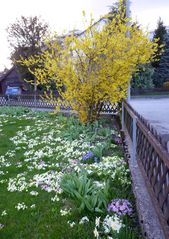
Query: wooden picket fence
x,y
153,160
39,101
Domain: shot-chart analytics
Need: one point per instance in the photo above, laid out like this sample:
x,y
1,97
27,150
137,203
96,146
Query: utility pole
x,y
127,15
128,8
128,34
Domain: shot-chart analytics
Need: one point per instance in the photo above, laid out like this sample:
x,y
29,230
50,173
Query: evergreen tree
x,y
118,7
159,33
161,73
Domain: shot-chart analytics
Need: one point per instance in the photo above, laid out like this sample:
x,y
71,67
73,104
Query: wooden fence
x,y
153,160
39,101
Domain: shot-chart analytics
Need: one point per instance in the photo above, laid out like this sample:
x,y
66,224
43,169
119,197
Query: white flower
x,y
84,220
97,221
116,226
89,171
34,193
18,184
21,206
4,213
55,199
112,223
64,212
99,184
71,223
33,206
96,233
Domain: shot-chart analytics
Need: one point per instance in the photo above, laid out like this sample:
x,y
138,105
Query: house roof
x,y
94,24
81,33
3,76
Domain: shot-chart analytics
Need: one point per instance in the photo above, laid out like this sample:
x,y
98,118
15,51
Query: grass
x,y
36,150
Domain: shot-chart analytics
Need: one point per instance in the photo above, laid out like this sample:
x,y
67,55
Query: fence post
x,y
122,116
35,99
134,139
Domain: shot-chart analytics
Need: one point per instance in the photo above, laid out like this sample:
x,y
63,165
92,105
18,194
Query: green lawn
x,y
57,178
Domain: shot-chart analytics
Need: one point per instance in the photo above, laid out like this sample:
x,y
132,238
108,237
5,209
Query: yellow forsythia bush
x,y
95,67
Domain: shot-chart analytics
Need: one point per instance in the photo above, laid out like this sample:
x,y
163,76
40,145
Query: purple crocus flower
x,y
95,159
87,156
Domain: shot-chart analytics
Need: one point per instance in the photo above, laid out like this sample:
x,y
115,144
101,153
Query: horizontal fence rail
x,y
34,101
39,101
153,160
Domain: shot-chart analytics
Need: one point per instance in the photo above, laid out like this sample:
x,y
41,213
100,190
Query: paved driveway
x,y
156,111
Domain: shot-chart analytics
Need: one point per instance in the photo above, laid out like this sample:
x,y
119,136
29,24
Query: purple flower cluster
x,y
120,206
88,156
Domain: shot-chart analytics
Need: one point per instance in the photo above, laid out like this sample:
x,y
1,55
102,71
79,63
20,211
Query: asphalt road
x,y
156,111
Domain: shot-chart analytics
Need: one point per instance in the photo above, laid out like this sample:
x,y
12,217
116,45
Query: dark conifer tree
x,y
161,73
159,33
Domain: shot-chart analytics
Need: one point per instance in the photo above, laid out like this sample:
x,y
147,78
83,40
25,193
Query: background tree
x,y
143,78
159,33
94,68
26,37
161,73
119,8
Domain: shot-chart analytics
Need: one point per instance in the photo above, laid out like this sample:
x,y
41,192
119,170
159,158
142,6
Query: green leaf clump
x,y
84,193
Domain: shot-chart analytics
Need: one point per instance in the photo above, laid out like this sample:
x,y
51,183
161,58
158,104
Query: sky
x,y
67,14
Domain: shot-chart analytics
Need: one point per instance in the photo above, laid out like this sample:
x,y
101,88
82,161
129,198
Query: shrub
x,y
166,84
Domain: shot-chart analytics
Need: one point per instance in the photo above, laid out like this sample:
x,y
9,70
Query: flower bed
x,y
61,179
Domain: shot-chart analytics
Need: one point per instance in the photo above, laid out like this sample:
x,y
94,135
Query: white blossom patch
x,y
72,224
64,212
84,220
34,193
21,206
